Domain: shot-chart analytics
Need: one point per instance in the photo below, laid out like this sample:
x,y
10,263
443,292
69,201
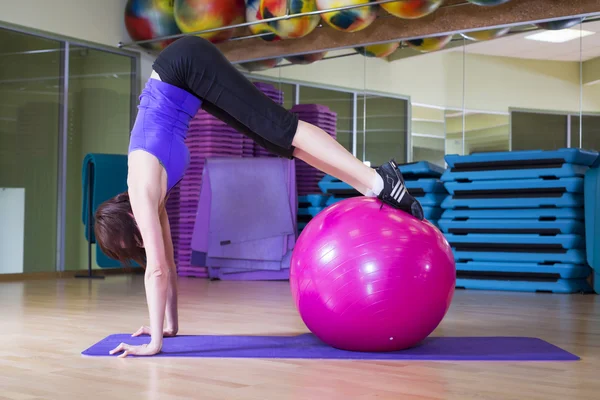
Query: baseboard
x,y
32,276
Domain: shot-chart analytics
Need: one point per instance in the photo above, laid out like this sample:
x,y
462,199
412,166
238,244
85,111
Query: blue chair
x,y
103,177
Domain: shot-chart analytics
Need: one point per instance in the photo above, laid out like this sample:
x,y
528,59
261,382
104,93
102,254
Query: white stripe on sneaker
x,y
401,195
396,188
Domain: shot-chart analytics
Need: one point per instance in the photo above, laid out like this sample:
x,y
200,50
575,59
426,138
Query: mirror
x,y
514,88
590,83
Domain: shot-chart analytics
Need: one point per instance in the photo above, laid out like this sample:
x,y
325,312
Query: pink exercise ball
x,y
371,278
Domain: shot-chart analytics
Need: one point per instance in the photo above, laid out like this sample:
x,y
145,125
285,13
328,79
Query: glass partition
x,y
30,76
100,95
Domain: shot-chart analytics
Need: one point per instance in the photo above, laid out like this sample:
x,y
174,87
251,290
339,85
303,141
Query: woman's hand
x,y
145,330
143,350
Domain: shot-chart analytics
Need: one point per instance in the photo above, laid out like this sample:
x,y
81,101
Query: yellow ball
x,y
378,50
429,44
252,15
351,20
487,34
306,59
291,28
411,9
199,15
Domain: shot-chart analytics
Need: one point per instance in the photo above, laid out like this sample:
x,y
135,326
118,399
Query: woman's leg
x,y
197,66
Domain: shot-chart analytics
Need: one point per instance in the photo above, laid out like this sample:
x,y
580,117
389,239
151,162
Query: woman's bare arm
x,y
147,181
172,321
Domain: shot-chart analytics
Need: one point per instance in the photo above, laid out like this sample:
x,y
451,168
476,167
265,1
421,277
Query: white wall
x,y
493,84
97,21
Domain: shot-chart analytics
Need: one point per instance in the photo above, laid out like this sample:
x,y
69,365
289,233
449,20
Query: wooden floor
x,y
46,324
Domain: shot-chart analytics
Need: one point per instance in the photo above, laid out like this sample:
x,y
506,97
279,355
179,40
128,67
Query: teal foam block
x,y
592,216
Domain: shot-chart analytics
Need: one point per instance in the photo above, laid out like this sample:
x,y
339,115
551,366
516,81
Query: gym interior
x,y
288,289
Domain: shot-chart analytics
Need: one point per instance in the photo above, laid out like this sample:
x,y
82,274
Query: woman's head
x,y
116,231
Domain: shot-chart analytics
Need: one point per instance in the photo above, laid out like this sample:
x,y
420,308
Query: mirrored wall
x,y
59,100
533,86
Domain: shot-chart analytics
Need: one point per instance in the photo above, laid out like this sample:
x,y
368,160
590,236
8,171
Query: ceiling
x,y
515,45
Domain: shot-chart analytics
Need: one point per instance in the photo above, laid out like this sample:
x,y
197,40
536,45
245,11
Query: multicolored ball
x,y
295,27
378,50
412,9
199,15
560,24
488,2
427,45
350,20
252,15
488,34
306,59
149,19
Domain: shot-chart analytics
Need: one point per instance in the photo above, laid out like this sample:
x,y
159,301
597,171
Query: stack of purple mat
x,y
308,177
208,137
251,239
277,97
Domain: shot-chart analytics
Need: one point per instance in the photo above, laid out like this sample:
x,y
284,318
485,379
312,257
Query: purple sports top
x,y
161,126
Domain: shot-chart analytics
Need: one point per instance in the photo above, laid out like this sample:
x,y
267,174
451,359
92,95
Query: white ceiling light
x,y
561,36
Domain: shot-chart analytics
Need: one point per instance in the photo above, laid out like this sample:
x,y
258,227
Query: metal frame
x,y
568,114
66,45
354,92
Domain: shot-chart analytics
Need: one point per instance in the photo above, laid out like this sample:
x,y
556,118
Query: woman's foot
x,y
394,191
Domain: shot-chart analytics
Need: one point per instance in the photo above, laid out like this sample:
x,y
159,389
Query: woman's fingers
x,y
119,348
144,330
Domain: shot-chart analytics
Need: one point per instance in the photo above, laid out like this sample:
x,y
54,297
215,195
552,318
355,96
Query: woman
x,y
188,75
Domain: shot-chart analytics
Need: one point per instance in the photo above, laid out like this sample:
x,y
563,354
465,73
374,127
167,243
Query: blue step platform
x,y
564,200
514,226
535,214
309,211
522,241
592,216
336,187
432,213
432,200
562,163
420,169
524,270
313,200
574,256
515,187
564,286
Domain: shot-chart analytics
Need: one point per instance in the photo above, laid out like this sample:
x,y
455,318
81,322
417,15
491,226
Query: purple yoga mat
x,y
307,346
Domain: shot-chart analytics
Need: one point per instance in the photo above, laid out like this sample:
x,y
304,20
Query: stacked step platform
x,y
592,220
422,180
208,137
515,220
308,177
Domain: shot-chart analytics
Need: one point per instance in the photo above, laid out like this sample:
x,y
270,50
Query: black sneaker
x,y
394,191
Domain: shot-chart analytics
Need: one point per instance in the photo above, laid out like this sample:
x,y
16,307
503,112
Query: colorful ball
x,y
261,65
149,19
367,278
351,20
199,15
411,9
291,28
378,50
487,34
429,44
559,25
253,14
488,2
306,59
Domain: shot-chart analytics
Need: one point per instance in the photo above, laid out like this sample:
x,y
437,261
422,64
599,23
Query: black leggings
x,y
196,65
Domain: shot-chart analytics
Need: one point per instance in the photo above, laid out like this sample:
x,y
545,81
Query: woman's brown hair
x,y
117,233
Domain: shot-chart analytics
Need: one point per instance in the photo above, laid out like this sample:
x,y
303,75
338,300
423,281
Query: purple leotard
x,y
161,126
